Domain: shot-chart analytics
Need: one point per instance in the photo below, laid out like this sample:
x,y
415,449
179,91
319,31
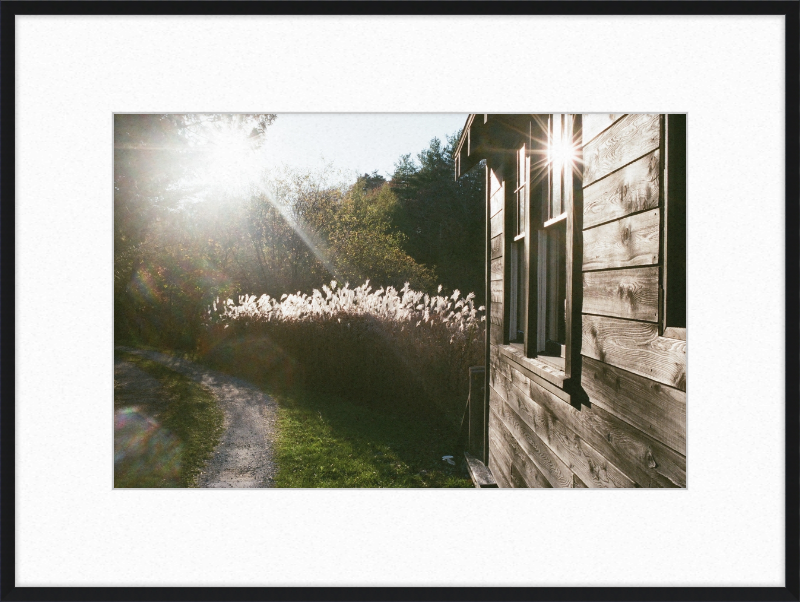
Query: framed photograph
x,y
635,179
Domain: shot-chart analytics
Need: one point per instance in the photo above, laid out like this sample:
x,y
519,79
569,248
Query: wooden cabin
x,y
585,379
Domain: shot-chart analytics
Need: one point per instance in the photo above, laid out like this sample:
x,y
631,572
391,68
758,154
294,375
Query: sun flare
x,y
229,160
561,153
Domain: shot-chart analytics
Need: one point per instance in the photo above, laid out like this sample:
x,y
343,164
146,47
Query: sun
x,y
561,152
229,160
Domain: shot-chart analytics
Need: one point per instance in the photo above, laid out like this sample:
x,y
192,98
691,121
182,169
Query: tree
x,y
159,265
443,220
364,243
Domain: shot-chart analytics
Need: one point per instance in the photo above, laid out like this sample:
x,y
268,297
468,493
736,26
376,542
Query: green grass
x,y
325,441
191,414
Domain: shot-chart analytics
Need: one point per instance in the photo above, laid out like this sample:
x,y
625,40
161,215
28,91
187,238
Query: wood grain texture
x,y
517,479
496,314
626,140
496,202
622,293
496,269
495,182
500,362
577,483
496,334
675,333
534,365
496,247
635,347
549,464
498,472
629,190
558,430
496,291
499,460
496,224
479,473
594,123
527,474
656,409
603,450
630,241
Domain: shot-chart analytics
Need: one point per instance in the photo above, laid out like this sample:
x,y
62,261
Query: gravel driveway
x,y
244,456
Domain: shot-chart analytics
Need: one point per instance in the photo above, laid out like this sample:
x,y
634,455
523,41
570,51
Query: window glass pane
x,y
521,266
516,297
551,331
521,192
555,165
513,295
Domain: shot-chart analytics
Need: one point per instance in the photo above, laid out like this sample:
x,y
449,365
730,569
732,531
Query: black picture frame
x,y
8,302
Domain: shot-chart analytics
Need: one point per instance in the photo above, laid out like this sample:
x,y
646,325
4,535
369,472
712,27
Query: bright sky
x,y
354,142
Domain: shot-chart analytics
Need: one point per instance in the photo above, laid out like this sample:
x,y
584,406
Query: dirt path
x,y
244,456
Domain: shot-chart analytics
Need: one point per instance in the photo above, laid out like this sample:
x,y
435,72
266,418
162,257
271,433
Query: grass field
x,y
327,441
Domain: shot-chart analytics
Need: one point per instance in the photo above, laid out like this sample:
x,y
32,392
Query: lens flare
x,y
145,453
561,153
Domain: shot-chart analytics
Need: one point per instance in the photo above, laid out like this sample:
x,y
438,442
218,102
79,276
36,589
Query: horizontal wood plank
x,y
496,334
626,140
508,449
548,463
656,409
602,449
496,247
518,479
496,224
627,242
622,293
675,333
629,190
557,430
496,314
502,358
495,182
496,291
535,365
525,473
635,347
594,123
479,473
496,269
503,481
496,202
499,460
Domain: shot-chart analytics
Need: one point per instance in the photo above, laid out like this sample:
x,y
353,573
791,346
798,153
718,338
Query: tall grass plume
x,y
401,347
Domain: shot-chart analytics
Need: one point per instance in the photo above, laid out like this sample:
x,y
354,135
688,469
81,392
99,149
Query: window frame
x,y
672,288
569,189
519,253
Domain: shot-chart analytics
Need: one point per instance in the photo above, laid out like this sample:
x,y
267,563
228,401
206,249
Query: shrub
x,y
401,347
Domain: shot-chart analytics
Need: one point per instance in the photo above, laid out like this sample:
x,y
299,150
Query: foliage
x,y
401,347
162,264
442,219
363,244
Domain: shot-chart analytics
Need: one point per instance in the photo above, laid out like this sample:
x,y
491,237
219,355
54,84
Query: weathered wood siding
x,y
627,427
496,194
628,370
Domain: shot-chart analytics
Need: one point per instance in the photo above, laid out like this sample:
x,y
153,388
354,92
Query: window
x,y
540,211
519,273
673,273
